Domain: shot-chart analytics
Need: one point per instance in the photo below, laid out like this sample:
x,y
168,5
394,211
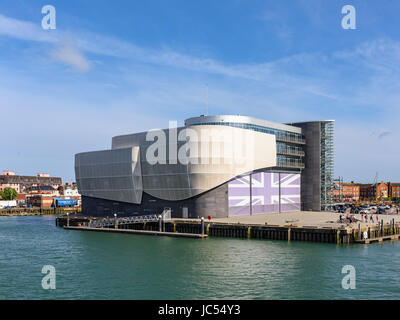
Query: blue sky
x,y
120,67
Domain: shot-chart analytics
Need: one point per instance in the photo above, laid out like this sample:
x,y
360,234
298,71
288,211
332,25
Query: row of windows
x,y
288,161
287,148
280,134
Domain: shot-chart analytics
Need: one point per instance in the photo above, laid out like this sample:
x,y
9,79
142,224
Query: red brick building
x,y
346,192
372,191
394,189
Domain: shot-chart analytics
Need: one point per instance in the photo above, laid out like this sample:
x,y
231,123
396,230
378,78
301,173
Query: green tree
x,y
8,194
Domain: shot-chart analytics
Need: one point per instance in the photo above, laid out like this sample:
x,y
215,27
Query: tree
x,y
8,194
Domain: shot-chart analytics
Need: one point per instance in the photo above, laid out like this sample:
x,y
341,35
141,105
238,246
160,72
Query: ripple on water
x,y
116,266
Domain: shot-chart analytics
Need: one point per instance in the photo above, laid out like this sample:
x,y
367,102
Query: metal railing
x,y
109,222
290,152
286,138
290,164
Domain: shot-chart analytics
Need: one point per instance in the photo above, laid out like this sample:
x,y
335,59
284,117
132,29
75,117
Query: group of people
x,y
364,218
347,219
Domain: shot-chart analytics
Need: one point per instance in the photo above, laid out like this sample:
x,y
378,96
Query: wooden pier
x,y
379,239
143,232
287,232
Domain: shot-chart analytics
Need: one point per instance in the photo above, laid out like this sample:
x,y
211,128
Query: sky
x,y
111,68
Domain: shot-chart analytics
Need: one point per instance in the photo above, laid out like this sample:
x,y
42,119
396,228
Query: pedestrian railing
x,y
376,231
110,222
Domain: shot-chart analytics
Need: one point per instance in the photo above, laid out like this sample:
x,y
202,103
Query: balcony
x,y
287,163
291,139
290,152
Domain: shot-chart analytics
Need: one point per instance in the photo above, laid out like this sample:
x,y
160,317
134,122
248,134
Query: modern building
x,y
215,166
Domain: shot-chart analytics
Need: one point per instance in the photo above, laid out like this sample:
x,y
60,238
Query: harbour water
x,y
91,265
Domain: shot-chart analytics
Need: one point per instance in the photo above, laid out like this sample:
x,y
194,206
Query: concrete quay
x,y
293,226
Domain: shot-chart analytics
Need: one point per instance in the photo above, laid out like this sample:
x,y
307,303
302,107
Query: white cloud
x,y
25,30
304,87
72,56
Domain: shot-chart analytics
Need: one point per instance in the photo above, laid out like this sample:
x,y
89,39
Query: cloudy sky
x,y
119,67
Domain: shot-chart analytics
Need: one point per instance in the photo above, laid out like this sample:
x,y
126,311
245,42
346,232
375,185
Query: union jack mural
x,y
266,189
290,192
239,196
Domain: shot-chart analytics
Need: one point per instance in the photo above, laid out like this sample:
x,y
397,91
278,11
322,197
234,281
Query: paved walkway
x,y
303,218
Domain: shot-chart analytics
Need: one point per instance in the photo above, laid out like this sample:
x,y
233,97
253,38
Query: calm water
x,y
116,266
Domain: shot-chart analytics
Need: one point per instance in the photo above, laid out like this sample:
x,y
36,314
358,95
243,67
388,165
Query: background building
x,y
21,183
346,192
394,189
373,191
289,168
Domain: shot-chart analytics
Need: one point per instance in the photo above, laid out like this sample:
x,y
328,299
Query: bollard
x,y
160,223
115,221
393,226
67,219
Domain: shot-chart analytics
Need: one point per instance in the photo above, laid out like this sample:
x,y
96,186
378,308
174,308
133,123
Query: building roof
x,y
242,119
29,179
42,188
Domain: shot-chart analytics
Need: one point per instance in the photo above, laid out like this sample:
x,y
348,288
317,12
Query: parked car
x,y
381,210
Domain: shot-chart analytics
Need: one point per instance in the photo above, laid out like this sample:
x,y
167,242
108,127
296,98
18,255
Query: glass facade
x,y
326,164
281,135
288,149
289,162
289,144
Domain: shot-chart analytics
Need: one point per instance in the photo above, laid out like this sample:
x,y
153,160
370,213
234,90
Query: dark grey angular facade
x,y
317,176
